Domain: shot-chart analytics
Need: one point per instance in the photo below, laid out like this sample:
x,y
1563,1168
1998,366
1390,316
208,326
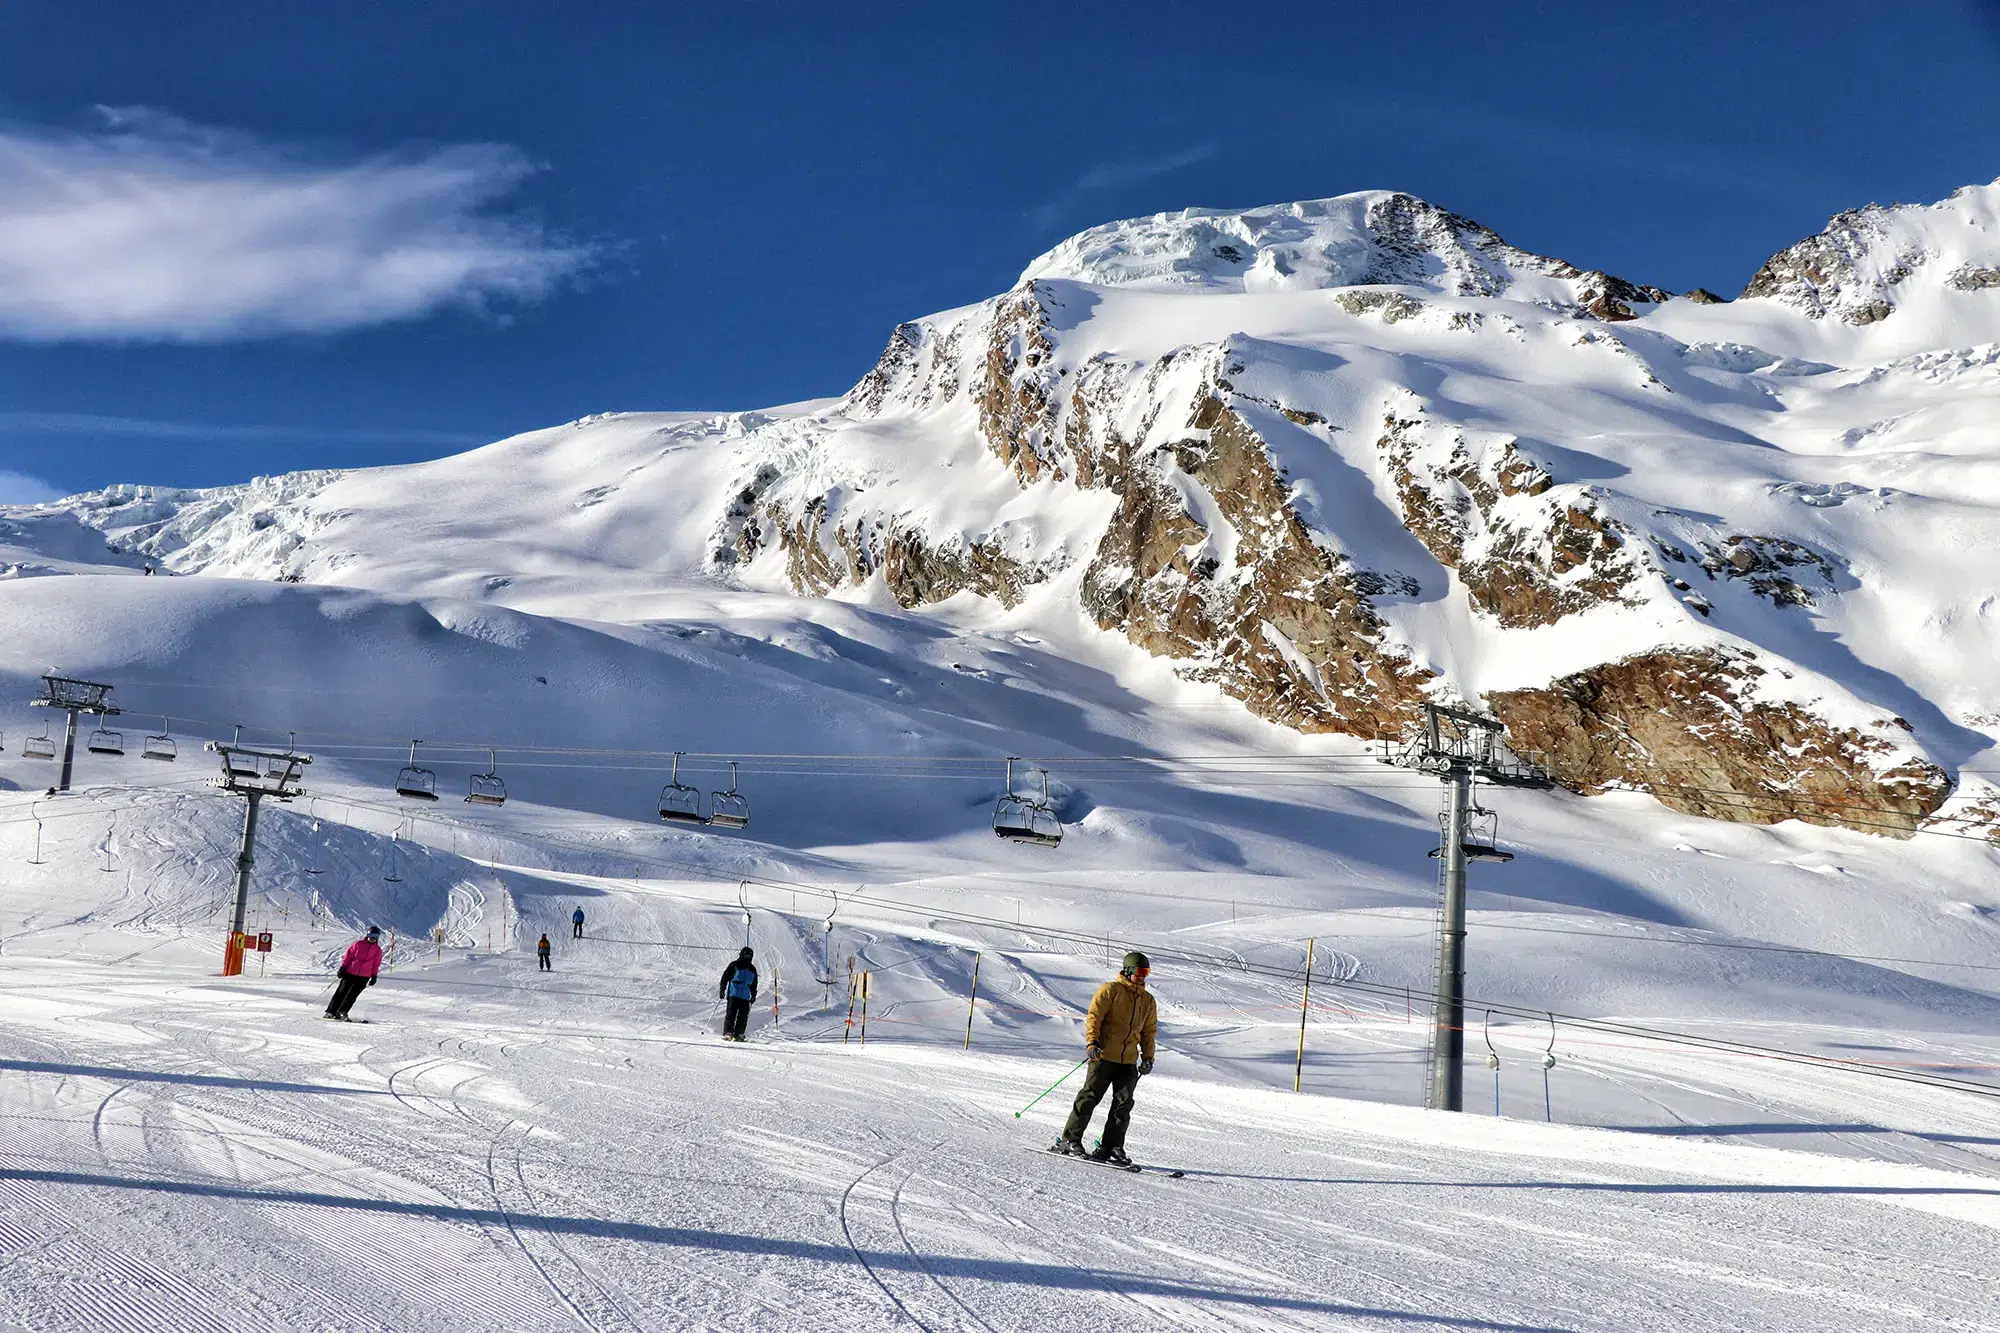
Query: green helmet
x,y
1133,962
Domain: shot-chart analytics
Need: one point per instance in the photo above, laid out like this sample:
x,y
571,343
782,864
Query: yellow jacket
x,y
1121,1022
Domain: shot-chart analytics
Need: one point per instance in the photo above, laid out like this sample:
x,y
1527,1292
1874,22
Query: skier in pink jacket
x,y
357,971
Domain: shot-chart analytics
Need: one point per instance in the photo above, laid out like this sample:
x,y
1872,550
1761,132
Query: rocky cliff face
x,y
1690,728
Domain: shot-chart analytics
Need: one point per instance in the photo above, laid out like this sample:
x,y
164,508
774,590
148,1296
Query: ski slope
x,y
503,1149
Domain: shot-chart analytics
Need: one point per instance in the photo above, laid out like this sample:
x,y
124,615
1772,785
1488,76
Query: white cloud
x,y
155,229
17,488
1113,176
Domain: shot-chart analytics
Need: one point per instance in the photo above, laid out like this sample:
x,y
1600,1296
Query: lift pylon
x,y
1457,746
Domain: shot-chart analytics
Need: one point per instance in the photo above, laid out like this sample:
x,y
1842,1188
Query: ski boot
x,y
1114,1156
1067,1147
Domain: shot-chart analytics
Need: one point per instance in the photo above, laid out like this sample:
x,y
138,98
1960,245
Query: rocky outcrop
x,y
1851,271
1018,393
1528,552
1689,727
822,555
1285,627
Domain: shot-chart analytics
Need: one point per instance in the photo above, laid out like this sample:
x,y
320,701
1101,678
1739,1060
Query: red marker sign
x,y
264,942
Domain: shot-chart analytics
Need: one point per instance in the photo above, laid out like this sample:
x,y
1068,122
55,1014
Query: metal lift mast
x,y
1458,746
253,774
73,697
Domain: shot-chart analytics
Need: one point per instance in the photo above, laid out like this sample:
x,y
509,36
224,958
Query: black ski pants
x,y
576,931
544,961
345,992
1122,1082
736,1018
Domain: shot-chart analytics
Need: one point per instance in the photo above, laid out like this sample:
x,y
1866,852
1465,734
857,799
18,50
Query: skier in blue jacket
x,y
739,988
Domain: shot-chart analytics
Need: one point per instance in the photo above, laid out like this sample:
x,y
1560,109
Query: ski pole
x,y
1052,1087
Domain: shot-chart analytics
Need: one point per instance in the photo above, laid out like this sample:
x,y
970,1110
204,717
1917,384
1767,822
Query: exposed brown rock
x,y
1018,392
1287,629
1683,725
1569,558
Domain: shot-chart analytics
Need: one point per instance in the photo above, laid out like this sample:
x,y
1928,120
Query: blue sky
x,y
241,238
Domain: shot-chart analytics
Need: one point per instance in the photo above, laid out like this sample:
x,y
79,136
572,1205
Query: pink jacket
x,y
364,959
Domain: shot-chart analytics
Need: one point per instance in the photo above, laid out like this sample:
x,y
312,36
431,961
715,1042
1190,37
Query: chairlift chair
x,y
161,747
729,809
279,769
419,784
1482,836
240,765
680,803
1020,818
104,741
39,747
487,788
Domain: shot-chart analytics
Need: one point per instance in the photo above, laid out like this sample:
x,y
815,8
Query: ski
x,y
1134,1169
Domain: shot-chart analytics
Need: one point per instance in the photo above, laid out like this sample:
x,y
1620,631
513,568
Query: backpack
x,y
743,983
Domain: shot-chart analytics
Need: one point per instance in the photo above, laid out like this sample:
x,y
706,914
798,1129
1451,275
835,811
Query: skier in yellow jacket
x,y
1118,1040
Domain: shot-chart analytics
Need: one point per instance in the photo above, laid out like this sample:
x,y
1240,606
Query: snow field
x,y
502,1149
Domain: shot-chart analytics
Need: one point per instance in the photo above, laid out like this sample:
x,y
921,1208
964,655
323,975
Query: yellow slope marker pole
x,y
1299,1070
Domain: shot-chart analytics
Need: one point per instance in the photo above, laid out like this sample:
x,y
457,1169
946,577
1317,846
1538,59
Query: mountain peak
x,y
1869,262
1368,238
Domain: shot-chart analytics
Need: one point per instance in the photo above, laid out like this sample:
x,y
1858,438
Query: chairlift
x,y
240,765
678,801
313,866
39,747
105,741
279,769
419,784
392,877
487,788
729,809
161,747
1025,818
1482,836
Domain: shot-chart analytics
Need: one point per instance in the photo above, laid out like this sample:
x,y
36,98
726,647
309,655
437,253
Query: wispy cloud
x,y
17,488
1112,176
151,228
18,425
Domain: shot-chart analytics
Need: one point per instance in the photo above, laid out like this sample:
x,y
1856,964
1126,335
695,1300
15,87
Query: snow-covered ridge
x,y
1870,262
1368,238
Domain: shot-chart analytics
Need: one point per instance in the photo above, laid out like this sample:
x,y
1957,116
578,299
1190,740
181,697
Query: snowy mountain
x,y
1200,508
1334,458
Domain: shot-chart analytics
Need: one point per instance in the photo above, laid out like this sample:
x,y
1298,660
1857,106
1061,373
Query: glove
x,y
371,981
1145,1067
1090,1053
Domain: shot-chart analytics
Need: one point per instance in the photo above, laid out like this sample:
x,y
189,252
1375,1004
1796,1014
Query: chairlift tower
x,y
254,774
1458,746
73,697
